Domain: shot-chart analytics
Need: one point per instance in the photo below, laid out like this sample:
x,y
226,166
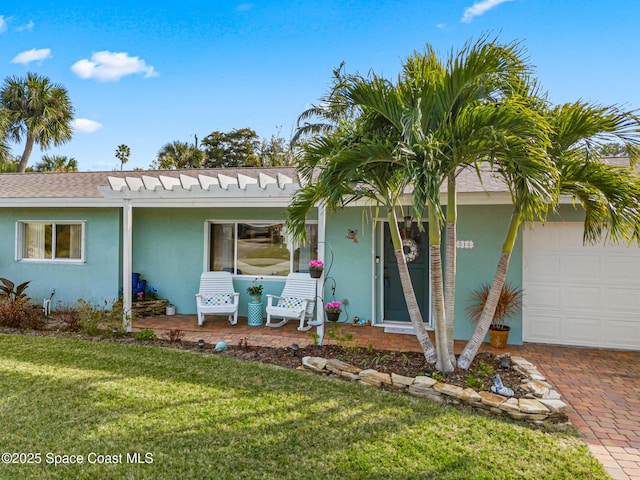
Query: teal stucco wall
x,y
169,251
96,280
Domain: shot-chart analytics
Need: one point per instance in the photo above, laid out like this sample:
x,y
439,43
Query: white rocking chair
x,y
297,300
217,296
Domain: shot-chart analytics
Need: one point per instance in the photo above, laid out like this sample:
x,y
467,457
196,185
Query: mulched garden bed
x,y
410,364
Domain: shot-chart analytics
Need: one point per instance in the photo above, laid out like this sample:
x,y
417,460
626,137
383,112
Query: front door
x,y
416,247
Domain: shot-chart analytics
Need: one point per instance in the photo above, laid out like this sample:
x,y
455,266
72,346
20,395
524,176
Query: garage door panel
x,y
621,269
623,301
623,334
546,328
542,296
544,267
581,330
579,295
581,298
583,268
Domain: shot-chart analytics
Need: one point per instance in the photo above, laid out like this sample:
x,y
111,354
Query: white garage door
x,y
579,295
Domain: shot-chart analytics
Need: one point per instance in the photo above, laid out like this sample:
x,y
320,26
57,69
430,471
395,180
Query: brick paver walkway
x,y
601,387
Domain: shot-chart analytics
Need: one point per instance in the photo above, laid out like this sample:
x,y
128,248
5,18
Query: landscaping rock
x,y
314,363
532,406
401,380
378,376
510,405
424,381
554,405
491,399
446,389
337,366
470,395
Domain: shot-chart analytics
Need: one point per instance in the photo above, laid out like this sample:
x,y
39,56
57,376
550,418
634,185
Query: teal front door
x,y
395,306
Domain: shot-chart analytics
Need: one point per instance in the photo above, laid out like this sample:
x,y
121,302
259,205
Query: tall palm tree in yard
x,y
438,118
56,163
609,195
38,112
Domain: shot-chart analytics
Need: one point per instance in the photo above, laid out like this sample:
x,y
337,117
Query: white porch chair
x,y
297,301
217,296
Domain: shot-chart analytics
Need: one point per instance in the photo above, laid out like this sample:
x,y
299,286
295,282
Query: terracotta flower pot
x,y
498,336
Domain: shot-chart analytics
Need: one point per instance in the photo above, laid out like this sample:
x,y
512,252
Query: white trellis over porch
x,y
230,188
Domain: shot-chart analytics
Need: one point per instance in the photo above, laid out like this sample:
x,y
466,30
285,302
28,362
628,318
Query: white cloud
x,y
84,125
28,27
111,66
3,24
32,55
479,8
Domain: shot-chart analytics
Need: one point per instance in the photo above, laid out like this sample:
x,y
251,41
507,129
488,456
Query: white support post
x,y
127,249
322,221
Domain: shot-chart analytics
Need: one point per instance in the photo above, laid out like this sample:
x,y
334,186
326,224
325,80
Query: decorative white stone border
x,y
541,405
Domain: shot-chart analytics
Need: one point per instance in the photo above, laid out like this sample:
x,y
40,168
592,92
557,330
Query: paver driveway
x,y
602,387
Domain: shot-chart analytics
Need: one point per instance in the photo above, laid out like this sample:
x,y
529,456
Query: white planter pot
x,y
171,309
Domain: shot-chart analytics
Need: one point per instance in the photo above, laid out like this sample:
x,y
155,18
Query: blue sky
x,y
148,73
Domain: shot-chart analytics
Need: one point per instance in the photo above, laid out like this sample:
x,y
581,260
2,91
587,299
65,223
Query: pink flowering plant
x,y
316,265
333,307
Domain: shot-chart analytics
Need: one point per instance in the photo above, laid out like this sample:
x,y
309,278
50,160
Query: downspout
x,y
127,249
322,223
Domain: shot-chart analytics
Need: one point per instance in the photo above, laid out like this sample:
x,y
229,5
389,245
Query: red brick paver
x,y
601,387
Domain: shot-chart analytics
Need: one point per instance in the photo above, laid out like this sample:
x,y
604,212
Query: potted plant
x,y
255,291
509,303
315,268
333,311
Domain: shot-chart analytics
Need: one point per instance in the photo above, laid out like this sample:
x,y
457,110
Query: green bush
x,y
145,334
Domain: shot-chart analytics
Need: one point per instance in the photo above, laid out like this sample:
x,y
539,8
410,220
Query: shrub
x,y
145,334
174,335
69,316
19,314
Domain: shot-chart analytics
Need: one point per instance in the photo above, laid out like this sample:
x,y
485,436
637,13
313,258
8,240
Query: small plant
x,y
380,359
437,376
370,348
144,335
243,343
316,265
90,316
13,293
483,370
406,361
255,290
314,337
174,335
509,303
68,316
475,383
333,307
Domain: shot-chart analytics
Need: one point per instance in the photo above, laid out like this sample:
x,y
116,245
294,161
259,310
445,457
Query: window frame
x,y
235,223
20,236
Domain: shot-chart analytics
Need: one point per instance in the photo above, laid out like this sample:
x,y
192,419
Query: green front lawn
x,y
206,416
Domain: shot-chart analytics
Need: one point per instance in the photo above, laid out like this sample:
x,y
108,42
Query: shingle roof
x,y
79,185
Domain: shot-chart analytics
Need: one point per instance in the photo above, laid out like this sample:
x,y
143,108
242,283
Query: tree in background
x,y
178,155
123,153
38,111
237,148
56,163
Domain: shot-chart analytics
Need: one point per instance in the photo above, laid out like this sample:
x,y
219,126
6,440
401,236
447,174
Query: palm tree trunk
x,y
450,267
444,363
473,345
28,147
407,287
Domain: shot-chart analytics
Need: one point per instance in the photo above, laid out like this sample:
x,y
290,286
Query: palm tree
x,y
57,163
177,155
356,157
38,111
443,117
609,195
122,153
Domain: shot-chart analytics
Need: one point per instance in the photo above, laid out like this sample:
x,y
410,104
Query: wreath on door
x,y
410,249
